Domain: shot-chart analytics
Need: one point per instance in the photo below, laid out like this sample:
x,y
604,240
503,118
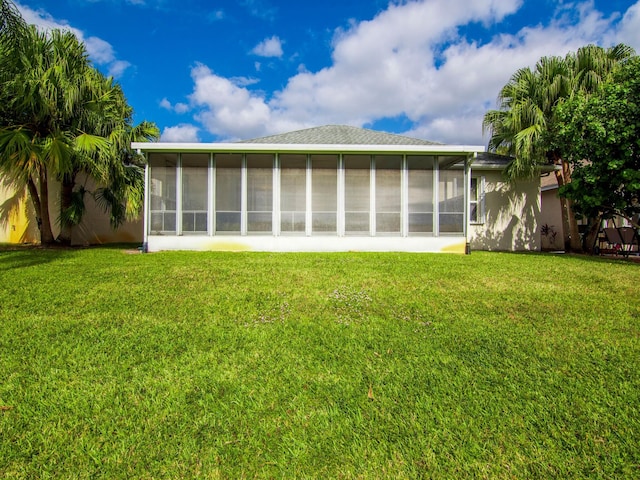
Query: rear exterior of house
x,y
334,188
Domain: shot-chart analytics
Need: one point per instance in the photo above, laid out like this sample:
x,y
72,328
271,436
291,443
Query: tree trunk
x,y
591,235
575,244
572,240
563,207
40,202
66,190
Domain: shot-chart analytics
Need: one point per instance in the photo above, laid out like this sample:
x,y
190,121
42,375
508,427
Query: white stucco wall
x,y
269,243
512,215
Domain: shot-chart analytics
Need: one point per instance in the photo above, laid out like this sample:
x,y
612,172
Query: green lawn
x,y
243,365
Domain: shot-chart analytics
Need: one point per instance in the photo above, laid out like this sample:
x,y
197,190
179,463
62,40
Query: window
x,y
388,194
163,192
451,195
195,192
259,193
324,193
293,193
420,194
476,200
228,192
357,193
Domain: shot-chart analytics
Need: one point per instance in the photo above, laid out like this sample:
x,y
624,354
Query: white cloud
x,y
183,133
629,32
116,68
100,51
181,108
269,47
178,107
409,61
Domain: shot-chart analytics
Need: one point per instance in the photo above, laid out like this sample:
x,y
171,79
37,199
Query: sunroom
x,y
331,188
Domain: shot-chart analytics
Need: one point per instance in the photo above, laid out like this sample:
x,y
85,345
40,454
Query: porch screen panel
x,y
259,193
388,193
293,193
163,193
228,192
195,192
420,171
324,193
451,194
357,193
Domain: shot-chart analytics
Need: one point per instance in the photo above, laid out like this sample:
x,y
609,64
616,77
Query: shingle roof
x,y
489,160
339,135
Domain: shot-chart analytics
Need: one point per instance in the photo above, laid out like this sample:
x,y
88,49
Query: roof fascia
x,y
303,148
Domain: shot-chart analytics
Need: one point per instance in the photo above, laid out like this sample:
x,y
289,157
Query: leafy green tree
x,y
62,118
525,117
598,135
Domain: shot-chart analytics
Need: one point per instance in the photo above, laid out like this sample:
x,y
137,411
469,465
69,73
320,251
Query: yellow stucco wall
x,y
512,213
17,219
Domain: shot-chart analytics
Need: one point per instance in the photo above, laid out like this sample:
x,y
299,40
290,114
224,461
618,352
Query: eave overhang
x,y
305,148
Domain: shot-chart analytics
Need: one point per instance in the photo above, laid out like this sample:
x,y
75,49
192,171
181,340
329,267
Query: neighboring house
x,y
335,188
552,231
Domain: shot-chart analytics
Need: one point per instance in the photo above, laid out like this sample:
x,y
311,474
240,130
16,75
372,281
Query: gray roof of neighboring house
x,y
339,135
491,160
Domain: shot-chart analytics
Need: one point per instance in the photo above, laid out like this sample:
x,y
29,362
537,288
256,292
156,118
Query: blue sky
x,y
220,70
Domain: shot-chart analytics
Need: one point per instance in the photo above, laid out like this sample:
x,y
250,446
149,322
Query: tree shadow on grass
x,y
23,256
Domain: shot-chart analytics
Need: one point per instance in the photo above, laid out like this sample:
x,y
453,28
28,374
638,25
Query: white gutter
x,y
303,148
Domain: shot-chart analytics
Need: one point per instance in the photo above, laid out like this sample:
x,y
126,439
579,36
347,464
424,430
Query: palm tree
x,y
61,117
525,118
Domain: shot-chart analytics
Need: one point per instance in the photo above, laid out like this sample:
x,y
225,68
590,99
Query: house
x,y
335,188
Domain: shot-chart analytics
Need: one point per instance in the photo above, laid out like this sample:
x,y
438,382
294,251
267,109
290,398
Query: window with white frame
x,y
420,172
228,192
293,193
476,200
451,194
195,192
357,194
259,192
388,194
324,193
163,192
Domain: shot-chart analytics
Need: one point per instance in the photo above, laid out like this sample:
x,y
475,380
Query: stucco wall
x,y
551,217
18,221
512,215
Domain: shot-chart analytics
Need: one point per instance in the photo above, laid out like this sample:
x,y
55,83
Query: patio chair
x,y
622,240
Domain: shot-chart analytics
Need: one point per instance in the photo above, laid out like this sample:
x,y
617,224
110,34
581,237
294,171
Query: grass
x,y
217,365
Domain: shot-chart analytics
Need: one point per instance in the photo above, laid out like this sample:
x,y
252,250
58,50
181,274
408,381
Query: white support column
x,y
436,197
211,205
467,189
275,217
309,198
404,206
372,197
147,203
243,195
179,195
340,224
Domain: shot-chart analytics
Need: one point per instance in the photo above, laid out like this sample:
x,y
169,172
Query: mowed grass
x,y
249,365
